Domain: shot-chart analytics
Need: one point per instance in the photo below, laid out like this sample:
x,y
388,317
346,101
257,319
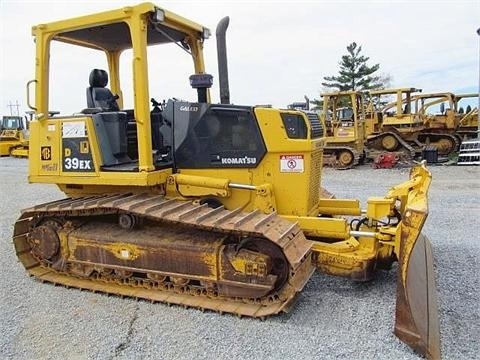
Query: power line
x,y
11,106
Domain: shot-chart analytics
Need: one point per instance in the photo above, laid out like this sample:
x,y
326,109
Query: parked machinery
x,y
383,124
467,128
437,111
13,136
466,115
398,117
441,113
220,206
343,120
351,137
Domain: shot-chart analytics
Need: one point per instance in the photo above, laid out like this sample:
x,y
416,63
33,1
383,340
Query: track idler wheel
x,y
345,159
389,142
445,146
44,241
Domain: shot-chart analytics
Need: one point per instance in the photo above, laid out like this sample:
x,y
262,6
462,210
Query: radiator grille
x,y
315,125
315,171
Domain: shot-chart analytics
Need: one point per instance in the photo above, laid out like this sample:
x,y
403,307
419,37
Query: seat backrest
x,y
98,96
111,130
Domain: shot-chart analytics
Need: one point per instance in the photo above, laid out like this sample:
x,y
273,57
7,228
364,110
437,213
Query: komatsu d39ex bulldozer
x,y
211,206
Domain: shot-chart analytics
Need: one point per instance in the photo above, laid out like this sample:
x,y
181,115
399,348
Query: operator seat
x,y
110,123
98,96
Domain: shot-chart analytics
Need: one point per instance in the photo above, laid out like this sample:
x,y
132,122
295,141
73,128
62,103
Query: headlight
x,y
206,33
158,15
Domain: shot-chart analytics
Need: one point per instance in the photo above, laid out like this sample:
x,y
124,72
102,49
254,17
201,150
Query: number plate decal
x,y
76,155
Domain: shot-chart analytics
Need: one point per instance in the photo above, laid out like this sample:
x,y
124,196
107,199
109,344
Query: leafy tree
x,y
355,73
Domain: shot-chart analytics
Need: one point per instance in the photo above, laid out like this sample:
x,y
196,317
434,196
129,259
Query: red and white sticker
x,y
291,163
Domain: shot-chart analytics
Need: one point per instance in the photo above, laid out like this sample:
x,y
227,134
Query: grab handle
x,y
28,94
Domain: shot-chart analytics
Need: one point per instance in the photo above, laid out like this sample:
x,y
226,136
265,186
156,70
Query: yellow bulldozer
x,y
211,206
437,111
399,116
343,119
466,115
442,113
353,133
13,136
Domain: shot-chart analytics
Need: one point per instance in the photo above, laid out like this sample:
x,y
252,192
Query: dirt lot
x,y
333,318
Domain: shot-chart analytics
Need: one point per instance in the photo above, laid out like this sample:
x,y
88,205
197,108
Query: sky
x,y
278,51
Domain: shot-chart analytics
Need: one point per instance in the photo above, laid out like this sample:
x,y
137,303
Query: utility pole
x,y
11,106
478,109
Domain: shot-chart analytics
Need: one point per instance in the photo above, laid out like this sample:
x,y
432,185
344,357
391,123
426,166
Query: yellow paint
x,y
135,18
193,185
343,258
210,259
332,228
378,207
394,114
295,196
249,263
344,132
11,139
339,207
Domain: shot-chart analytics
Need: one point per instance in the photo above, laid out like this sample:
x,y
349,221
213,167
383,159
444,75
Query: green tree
x,y
355,73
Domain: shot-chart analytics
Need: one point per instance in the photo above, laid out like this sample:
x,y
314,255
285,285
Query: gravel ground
x,y
333,319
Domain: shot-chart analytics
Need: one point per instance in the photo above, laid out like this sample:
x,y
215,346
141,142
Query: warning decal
x,y
291,163
73,129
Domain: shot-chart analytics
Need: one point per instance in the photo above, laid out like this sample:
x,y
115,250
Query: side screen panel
x,y
221,137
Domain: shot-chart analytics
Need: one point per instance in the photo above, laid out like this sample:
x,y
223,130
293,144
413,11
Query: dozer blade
x,y
416,320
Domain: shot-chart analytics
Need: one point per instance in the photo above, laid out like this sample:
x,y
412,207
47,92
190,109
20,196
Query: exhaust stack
x,y
222,60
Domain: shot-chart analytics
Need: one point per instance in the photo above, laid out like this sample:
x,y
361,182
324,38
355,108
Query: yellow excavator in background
x,y
212,206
